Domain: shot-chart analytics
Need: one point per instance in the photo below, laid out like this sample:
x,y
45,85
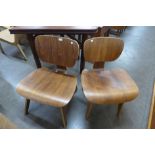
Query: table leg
x,y
106,34
82,63
31,39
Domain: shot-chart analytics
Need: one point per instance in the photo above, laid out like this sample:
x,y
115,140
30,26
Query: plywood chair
x,y
46,86
12,39
106,86
5,123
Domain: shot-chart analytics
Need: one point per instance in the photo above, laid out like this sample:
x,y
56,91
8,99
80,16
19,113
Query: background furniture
x,y
117,30
48,87
106,86
12,39
71,31
103,31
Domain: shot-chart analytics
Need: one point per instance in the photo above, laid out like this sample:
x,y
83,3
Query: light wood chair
x,y
49,87
12,39
5,123
106,86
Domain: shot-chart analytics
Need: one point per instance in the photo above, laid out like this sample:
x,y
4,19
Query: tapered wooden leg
x,y
119,109
63,115
27,104
21,51
89,109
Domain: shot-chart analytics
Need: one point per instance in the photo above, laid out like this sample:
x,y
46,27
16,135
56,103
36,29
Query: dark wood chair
x,y
55,88
106,86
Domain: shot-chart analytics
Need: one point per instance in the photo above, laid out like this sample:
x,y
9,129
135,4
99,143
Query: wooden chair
x,y
49,87
106,86
12,39
5,123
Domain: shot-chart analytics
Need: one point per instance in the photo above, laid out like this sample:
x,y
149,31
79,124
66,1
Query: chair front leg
x,y
63,115
119,109
27,104
89,109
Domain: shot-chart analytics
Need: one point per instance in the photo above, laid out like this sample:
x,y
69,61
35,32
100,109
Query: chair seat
x,y
5,123
48,87
113,86
6,36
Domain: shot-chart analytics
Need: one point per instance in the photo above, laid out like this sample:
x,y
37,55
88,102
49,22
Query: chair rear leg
x,y
27,104
63,115
21,51
119,109
89,110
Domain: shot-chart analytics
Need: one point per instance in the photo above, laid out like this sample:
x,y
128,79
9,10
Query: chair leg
x,y
119,109
63,115
21,51
1,48
27,104
89,109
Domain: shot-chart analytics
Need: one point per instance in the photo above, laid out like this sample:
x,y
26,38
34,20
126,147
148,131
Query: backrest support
x,y
57,50
101,49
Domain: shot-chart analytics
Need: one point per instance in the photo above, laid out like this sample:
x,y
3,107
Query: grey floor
x,y
138,58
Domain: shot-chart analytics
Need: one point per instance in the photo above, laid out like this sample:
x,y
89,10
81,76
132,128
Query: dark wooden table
x,y
71,31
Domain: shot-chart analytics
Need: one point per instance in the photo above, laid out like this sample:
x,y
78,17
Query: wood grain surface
x,y
108,86
48,87
101,49
5,123
57,50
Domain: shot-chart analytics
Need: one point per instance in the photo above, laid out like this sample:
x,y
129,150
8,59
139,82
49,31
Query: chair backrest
x,y
101,49
57,50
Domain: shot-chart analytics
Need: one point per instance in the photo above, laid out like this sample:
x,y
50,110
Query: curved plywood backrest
x,y
101,49
57,50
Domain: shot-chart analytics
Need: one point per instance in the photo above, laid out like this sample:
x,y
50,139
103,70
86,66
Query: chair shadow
x,y
104,117
43,123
